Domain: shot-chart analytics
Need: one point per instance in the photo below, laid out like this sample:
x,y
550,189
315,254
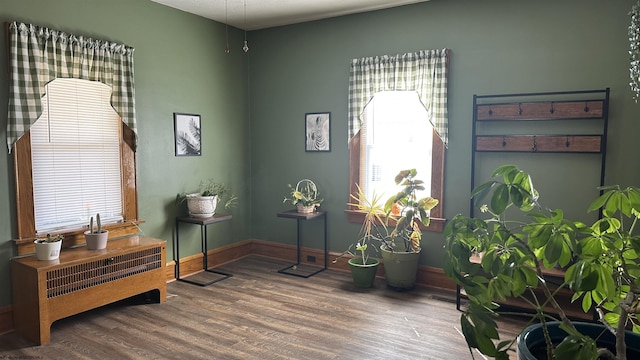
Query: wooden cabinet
x,y
82,279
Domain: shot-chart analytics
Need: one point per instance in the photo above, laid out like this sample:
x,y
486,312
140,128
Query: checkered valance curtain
x,y
38,55
424,71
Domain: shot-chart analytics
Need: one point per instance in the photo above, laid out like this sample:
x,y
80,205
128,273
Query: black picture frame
x,y
187,138
317,129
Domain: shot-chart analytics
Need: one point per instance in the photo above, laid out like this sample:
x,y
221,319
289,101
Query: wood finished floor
x,y
262,314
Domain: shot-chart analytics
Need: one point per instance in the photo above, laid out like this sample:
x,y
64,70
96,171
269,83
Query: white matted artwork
x,y
318,131
187,134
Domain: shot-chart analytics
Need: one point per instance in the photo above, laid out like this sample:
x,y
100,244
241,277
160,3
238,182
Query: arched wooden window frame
x,y
437,181
25,203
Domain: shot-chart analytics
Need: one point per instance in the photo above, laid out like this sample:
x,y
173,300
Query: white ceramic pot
x,y
96,241
202,206
47,250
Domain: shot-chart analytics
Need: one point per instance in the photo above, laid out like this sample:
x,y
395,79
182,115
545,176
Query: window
x,y
425,73
75,152
37,57
114,190
396,132
376,154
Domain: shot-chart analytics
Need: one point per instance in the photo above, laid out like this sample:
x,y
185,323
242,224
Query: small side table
x,y
203,222
294,214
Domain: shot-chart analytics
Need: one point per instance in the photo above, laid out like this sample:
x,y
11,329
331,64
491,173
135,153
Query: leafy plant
x,y
403,209
408,212
210,187
305,192
601,262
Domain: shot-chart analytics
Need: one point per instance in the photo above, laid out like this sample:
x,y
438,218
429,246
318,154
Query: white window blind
x,y
76,157
397,135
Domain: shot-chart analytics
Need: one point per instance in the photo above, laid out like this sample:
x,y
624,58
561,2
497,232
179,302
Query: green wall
x,y
180,66
253,120
497,46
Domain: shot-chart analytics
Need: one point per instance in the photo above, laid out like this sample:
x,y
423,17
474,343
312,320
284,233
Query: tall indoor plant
x,y
600,261
401,249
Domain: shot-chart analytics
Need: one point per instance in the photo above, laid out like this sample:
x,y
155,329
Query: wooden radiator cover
x,y
81,279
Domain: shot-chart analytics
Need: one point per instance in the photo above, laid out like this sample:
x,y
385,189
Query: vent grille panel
x,y
78,277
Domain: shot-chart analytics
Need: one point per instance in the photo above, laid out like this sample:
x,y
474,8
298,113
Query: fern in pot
x,y
204,202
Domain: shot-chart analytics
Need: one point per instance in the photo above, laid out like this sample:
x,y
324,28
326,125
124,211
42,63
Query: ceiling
x,y
262,14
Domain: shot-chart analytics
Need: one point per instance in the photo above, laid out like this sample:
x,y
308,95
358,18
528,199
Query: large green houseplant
x,y
600,261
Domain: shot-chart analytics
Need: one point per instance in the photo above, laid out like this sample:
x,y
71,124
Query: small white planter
x,y
202,206
96,241
47,250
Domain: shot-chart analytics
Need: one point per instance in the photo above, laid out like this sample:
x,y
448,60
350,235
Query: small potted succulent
x,y
48,248
96,240
304,196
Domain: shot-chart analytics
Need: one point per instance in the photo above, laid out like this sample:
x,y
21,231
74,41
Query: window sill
x,y
76,237
436,225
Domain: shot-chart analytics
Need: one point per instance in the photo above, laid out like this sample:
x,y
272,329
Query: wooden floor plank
x,y
259,313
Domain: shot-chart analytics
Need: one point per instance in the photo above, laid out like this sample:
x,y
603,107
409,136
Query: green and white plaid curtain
x,y
38,55
424,71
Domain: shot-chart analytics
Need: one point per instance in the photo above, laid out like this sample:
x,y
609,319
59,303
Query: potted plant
x,y
96,240
48,248
401,249
395,228
203,204
304,196
600,261
363,267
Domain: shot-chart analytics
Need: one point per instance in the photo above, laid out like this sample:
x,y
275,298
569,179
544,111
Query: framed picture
x,y
318,131
187,134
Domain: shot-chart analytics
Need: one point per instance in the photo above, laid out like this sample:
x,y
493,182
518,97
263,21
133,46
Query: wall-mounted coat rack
x,y
512,112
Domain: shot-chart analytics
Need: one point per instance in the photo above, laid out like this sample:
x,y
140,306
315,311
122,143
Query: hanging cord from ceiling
x,y
226,27
245,47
